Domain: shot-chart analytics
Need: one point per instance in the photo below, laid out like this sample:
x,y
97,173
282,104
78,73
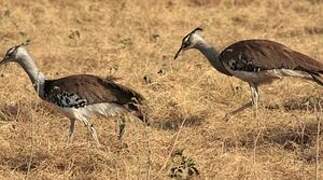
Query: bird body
x,y
82,96
255,61
261,61
79,91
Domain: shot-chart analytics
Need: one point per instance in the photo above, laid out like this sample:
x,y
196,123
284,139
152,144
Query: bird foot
x,y
124,145
121,145
254,114
68,145
69,141
98,145
227,117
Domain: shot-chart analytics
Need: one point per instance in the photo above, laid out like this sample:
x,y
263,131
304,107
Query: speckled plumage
x,y
83,89
255,61
258,55
81,96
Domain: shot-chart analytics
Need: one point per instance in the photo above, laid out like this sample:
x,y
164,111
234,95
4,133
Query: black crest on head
x,y
185,41
197,29
13,50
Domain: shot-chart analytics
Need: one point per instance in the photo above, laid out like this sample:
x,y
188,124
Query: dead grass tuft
x,y
136,42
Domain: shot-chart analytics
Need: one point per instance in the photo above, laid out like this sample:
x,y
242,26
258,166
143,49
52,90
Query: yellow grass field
x,y
135,41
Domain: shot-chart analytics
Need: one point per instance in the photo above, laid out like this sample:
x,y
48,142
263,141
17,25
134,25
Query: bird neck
x,y
211,54
37,78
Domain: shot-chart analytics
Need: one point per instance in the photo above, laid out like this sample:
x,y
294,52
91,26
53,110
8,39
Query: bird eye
x,y
186,44
10,52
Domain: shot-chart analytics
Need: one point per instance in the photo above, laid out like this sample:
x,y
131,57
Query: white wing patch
x,y
101,109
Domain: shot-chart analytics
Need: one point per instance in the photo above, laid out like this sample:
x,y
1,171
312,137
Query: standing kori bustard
x,y
256,62
81,96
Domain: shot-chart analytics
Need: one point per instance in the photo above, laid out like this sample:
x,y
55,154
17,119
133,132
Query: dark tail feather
x,y
137,110
143,117
318,78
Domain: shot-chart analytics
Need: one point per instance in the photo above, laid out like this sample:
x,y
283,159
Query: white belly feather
x,y
101,109
267,76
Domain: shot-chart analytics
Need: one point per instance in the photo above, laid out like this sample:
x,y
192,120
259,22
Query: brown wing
x,y
90,88
257,55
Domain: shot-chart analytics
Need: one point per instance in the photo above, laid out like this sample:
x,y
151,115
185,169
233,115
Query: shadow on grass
x,y
174,119
80,170
309,103
23,163
22,111
174,123
13,112
297,138
79,167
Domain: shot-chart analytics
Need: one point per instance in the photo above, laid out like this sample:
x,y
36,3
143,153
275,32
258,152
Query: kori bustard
x,y
82,96
256,62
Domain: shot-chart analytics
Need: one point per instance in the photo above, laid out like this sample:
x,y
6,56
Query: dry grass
x,y
135,41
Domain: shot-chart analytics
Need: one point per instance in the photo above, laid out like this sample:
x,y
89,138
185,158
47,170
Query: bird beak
x,y
4,61
178,52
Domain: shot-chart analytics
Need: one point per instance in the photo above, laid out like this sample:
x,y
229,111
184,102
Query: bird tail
x,y
142,116
138,109
318,78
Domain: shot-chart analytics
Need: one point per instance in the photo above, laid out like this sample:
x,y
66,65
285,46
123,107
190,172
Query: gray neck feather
x,y
37,78
211,54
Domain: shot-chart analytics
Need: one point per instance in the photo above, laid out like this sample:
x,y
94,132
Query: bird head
x,y
190,41
13,54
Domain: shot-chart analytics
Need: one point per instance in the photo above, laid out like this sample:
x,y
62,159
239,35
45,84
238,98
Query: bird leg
x,y
94,134
71,131
229,115
120,125
253,102
254,97
92,130
120,128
